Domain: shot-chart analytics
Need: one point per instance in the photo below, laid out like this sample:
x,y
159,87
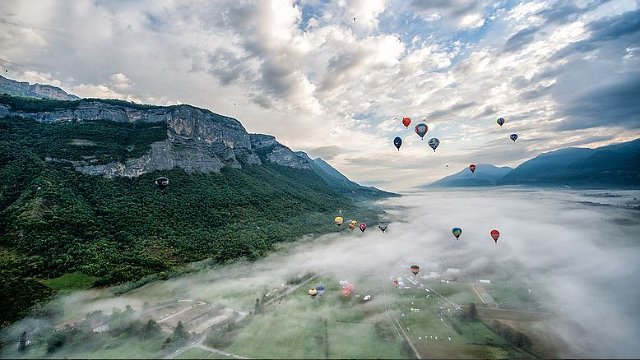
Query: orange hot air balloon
x,y
495,234
406,121
472,167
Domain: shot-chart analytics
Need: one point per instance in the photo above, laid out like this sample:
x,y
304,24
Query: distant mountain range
x,y
608,166
19,88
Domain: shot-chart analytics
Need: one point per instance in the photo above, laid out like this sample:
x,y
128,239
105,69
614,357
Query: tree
x,y
473,312
179,332
22,343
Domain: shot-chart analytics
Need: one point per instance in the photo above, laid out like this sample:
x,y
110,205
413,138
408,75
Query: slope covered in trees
x,y
55,221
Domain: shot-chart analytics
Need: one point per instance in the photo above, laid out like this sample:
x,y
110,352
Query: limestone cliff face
x,y
197,140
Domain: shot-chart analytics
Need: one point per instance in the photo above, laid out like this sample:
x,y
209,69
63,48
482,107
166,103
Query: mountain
x,y
18,88
485,175
78,199
615,165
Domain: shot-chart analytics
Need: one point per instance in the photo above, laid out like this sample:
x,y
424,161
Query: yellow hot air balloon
x,y
313,292
339,220
352,224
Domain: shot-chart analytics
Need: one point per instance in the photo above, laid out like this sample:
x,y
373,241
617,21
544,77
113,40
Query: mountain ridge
x,y
616,165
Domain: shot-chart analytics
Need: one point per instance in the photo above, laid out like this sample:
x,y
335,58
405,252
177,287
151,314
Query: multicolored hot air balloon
x,y
434,142
162,182
338,220
456,232
472,167
406,121
312,292
383,227
352,224
363,227
415,269
421,130
495,234
514,137
346,288
397,142
500,121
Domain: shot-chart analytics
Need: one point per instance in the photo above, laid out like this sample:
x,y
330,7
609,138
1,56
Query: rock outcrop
x,y
19,88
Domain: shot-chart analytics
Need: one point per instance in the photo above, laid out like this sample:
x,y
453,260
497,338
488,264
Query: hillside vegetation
x,y
56,221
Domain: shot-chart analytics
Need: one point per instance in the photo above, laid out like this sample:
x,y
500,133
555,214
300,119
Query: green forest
x,y
56,223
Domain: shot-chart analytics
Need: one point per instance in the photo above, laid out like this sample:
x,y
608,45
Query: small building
x,y
482,281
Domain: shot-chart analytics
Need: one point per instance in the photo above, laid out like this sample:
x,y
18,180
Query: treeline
x,y
511,334
31,104
54,220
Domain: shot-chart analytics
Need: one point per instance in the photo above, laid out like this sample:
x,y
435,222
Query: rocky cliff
x,y
196,139
19,88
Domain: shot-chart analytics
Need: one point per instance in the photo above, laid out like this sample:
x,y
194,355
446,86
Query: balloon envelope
x,y
495,234
472,167
434,142
421,130
406,121
383,227
456,232
312,292
162,182
338,220
397,142
514,137
415,269
363,227
500,121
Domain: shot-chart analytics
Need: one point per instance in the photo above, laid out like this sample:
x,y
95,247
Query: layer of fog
x,y
579,251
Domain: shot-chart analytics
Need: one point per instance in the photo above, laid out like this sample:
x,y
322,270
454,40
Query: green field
x,y
328,326
71,281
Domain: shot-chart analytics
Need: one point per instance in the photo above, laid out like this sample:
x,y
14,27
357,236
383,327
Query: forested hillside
x,y
56,221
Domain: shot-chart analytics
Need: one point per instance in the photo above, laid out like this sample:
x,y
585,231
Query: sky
x,y
329,78
577,251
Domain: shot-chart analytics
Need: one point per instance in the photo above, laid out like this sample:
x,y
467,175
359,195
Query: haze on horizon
x,y
329,77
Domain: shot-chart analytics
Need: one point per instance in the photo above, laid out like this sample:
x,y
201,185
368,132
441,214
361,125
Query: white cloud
x,y
334,83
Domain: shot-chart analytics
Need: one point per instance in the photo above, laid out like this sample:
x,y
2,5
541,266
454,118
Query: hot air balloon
x,y
383,227
472,167
434,142
162,182
421,130
500,121
312,292
352,224
338,220
363,227
495,234
406,121
415,269
366,298
346,288
320,289
456,232
514,137
397,142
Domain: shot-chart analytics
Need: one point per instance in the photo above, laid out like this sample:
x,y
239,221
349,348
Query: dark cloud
x,y
616,105
453,108
325,152
520,39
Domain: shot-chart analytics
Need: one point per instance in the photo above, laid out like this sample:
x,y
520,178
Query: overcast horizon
x,y
328,78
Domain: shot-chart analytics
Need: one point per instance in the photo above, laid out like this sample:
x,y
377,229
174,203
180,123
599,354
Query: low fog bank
x,y
579,251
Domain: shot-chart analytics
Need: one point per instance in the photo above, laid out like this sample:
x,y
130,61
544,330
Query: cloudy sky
x,y
330,77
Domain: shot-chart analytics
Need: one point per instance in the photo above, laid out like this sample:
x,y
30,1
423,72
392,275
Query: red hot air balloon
x,y
406,121
472,167
495,234
363,227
